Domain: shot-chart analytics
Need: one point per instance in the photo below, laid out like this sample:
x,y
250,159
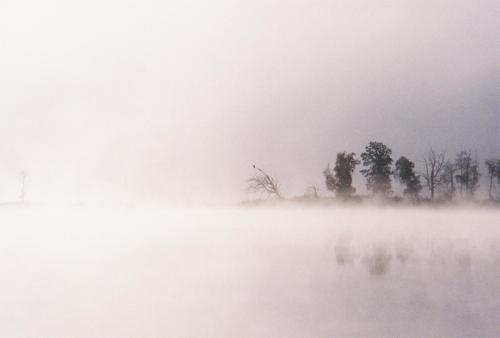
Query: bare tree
x,y
493,166
312,192
468,173
22,176
434,164
263,182
447,181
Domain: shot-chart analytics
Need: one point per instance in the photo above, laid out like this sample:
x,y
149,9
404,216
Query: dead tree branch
x,y
434,164
263,182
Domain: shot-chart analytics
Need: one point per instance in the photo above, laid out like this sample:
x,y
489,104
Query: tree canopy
x,y
405,172
340,179
377,160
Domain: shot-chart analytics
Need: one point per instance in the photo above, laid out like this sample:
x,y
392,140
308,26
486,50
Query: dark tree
x,y
447,181
467,173
340,178
493,166
344,168
263,182
377,160
405,172
434,164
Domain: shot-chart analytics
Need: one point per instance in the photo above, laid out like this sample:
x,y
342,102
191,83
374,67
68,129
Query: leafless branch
x,y
263,182
434,164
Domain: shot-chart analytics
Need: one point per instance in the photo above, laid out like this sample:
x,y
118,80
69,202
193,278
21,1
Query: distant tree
x,y
312,192
434,164
468,173
23,175
493,167
263,182
405,172
341,177
330,181
447,181
377,160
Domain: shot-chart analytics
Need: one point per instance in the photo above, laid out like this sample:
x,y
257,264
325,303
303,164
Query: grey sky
x,y
154,100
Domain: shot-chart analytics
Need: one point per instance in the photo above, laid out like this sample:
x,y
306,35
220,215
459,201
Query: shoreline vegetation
x,y
367,201
450,182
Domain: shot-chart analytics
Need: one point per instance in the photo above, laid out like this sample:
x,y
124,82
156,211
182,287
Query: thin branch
x,y
263,182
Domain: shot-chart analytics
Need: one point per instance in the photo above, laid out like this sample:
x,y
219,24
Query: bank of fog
x,y
250,272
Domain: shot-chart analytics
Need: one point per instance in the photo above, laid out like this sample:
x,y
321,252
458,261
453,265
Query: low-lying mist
x,y
254,272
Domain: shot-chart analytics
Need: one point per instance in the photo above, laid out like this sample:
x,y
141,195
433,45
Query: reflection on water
x,y
249,273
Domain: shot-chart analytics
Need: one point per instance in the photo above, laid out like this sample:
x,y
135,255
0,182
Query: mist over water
x,y
350,272
125,109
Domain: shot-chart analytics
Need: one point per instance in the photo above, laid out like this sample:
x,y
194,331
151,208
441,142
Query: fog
x,y
172,102
129,129
249,273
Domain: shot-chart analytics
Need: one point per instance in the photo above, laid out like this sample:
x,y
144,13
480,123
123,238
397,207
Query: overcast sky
x,y
175,100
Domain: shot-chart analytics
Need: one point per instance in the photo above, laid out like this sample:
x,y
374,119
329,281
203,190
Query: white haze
x,y
173,101
118,273
148,105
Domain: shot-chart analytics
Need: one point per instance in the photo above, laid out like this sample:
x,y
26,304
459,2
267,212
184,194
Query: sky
x,y
173,101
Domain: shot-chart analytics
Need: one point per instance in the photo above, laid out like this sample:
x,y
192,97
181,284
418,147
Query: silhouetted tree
x,y
340,180
377,159
468,173
405,172
493,167
447,181
263,182
434,164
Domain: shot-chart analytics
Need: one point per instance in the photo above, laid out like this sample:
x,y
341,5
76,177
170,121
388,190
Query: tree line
x,y
445,179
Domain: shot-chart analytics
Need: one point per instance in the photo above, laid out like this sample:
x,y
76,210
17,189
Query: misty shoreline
x,y
298,203
276,272
367,202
